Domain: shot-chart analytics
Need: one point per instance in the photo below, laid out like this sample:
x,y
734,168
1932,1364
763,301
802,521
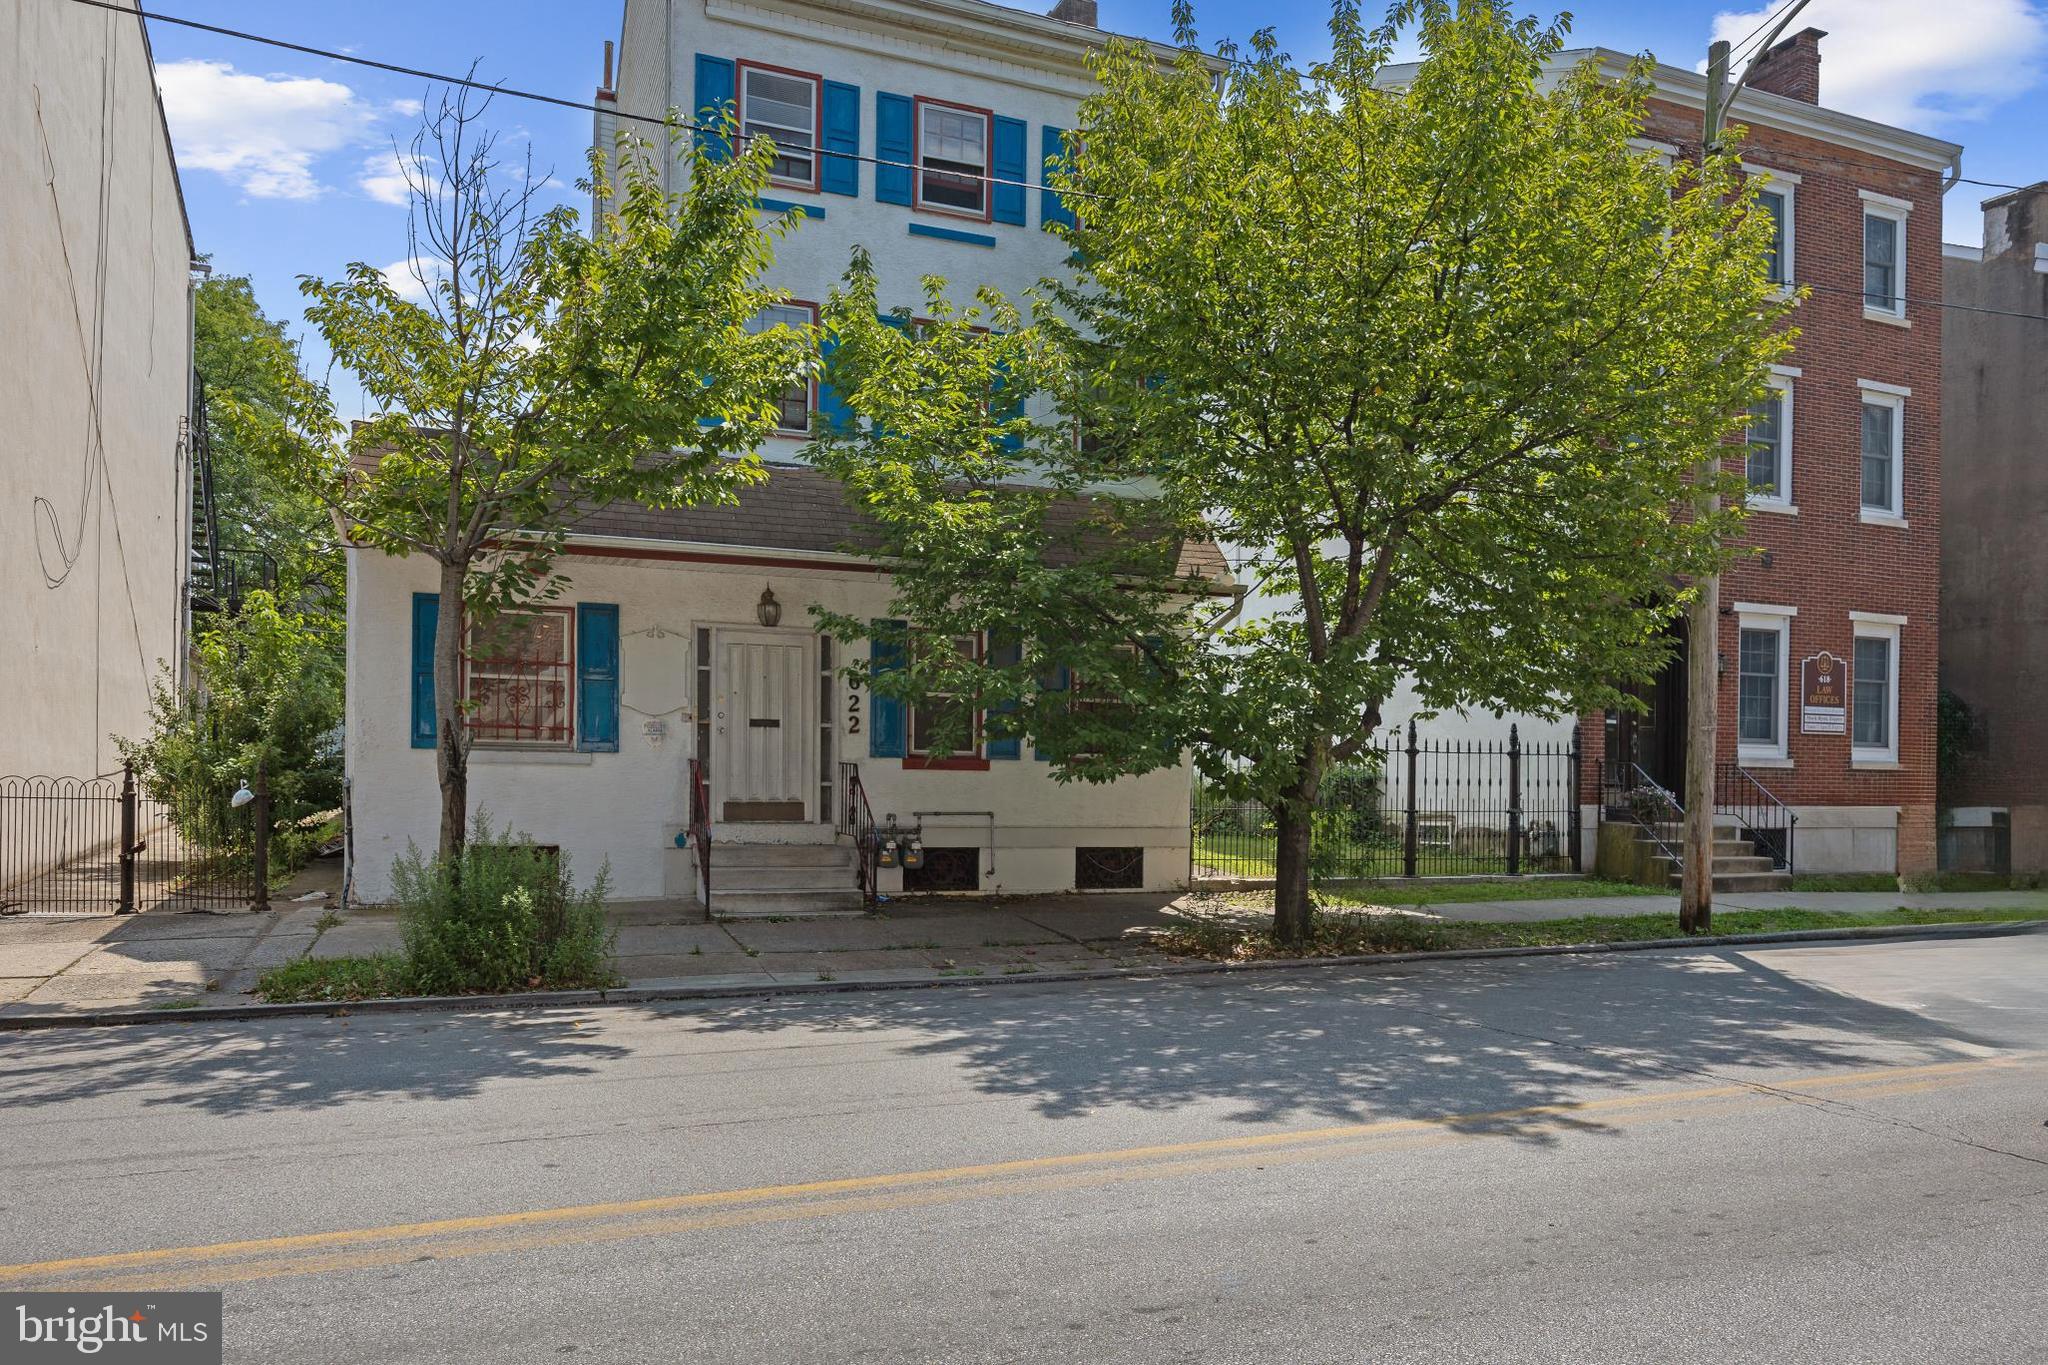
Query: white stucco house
x,y
682,646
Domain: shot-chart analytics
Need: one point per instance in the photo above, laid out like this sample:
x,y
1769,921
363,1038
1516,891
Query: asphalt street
x,y
1833,1153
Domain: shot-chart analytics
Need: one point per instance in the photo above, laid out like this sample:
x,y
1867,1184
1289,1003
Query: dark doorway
x,y
1654,739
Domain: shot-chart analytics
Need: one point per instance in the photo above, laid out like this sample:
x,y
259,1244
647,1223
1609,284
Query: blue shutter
x,y
841,174
426,619
1051,208
1005,653
714,93
1059,680
1007,165
1004,409
597,677
838,417
894,115
885,714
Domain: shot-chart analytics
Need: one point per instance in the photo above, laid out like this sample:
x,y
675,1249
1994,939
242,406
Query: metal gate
x,y
103,846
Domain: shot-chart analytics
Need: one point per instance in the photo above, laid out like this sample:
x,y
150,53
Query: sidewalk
x,y
172,961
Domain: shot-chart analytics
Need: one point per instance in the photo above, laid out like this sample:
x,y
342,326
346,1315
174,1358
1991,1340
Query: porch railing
x,y
1762,818
857,821
700,827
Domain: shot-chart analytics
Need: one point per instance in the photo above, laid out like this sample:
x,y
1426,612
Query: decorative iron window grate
x,y
1109,869
945,869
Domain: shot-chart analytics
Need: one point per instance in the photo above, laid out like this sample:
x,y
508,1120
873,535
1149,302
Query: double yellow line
x,y
220,1263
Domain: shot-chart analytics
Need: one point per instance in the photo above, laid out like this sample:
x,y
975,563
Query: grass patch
x,y
1229,854
1425,892
187,1004
1235,937
1976,881
336,979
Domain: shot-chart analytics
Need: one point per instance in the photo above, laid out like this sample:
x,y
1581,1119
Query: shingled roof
x,y
797,508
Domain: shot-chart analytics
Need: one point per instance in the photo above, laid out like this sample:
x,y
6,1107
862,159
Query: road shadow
x,y
258,1066
1493,1040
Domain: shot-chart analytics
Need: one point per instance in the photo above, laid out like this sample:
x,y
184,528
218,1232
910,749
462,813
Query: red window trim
x,y
742,67
954,764
810,403
988,154
569,665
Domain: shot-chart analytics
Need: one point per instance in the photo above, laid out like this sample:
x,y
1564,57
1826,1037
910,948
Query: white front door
x,y
764,724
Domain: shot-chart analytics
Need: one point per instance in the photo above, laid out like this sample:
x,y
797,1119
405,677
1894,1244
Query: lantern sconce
x,y
768,609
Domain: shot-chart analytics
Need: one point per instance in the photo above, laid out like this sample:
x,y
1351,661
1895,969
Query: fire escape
x,y
216,578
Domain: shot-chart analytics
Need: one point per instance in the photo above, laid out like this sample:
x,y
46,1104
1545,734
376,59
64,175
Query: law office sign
x,y
1823,695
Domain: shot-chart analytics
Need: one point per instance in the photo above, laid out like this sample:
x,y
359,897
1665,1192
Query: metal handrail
x,y
1745,812
1638,781
857,820
700,827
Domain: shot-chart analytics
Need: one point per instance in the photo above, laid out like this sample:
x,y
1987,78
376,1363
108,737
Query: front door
x,y
762,724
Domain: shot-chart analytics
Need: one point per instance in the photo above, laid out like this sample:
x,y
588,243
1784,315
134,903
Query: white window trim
x,y
1877,205
1887,629
1891,396
781,432
1786,185
977,750
988,160
1780,501
1778,620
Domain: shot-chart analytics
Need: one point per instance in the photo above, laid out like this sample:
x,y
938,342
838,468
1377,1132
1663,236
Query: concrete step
x,y
1723,848
742,903
800,877
781,855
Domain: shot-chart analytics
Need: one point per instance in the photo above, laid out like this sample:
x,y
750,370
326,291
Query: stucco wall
x,y
626,808
94,373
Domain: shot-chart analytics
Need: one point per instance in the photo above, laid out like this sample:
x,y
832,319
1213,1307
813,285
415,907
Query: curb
x,y
628,995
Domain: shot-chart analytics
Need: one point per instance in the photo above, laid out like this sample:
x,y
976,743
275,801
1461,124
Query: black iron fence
x,y
102,845
1413,806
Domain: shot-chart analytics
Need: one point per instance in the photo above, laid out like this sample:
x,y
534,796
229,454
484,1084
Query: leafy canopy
x,y
1432,348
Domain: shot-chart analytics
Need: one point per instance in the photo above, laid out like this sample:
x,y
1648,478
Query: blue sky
x,y
288,169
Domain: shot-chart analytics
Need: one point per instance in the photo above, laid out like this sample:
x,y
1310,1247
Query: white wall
x,y
628,807
94,317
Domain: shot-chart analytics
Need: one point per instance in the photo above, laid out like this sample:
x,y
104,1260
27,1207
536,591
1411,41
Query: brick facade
x,y
1826,559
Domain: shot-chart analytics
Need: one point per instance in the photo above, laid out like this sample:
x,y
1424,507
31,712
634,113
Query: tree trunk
x,y
451,750
1294,829
1702,701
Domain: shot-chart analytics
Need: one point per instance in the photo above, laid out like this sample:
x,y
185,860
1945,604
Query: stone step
x,y
800,877
780,855
743,903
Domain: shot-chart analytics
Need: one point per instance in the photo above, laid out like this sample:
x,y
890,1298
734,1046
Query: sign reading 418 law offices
x,y
1823,695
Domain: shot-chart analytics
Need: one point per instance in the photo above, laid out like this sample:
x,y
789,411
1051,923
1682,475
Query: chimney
x,y
604,87
2016,224
1074,12
1792,67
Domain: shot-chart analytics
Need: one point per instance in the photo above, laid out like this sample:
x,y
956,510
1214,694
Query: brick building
x,y
1828,633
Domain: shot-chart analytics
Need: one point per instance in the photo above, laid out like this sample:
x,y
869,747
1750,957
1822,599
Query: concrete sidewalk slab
x,y
673,938
666,966
42,959
103,988
31,929
143,953
170,924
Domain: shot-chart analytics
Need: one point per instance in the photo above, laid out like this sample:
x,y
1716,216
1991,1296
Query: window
x,y
1760,685
1770,448
793,405
1874,690
1883,429
1884,256
952,158
783,107
518,674
1778,264
945,712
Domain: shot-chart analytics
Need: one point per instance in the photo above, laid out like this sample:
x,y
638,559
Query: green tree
x,y
543,372
1431,346
255,400
265,694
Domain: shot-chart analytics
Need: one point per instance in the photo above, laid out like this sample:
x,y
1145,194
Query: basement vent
x,y
945,869
1109,869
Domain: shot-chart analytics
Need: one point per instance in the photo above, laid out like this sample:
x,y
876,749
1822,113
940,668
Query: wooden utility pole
x,y
1703,623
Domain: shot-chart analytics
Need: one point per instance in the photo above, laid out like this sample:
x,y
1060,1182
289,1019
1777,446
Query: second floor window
x,y
1882,420
1767,449
952,159
518,672
1882,276
1778,269
783,107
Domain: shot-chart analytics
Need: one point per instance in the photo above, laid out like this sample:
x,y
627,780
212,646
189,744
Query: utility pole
x,y
1703,623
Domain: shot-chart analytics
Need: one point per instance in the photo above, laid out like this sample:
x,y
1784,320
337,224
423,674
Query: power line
x,y
1927,302
537,97
1770,16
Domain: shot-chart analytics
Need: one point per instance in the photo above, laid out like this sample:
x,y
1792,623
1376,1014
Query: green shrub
x,y
503,915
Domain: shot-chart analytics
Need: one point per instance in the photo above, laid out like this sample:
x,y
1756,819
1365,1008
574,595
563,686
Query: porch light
x,y
768,609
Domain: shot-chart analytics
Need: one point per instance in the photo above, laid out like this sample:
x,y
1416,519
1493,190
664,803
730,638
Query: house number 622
x,y
853,713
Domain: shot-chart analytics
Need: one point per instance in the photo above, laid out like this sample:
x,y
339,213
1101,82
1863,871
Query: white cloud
x,y
405,276
264,133
383,176
1915,64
